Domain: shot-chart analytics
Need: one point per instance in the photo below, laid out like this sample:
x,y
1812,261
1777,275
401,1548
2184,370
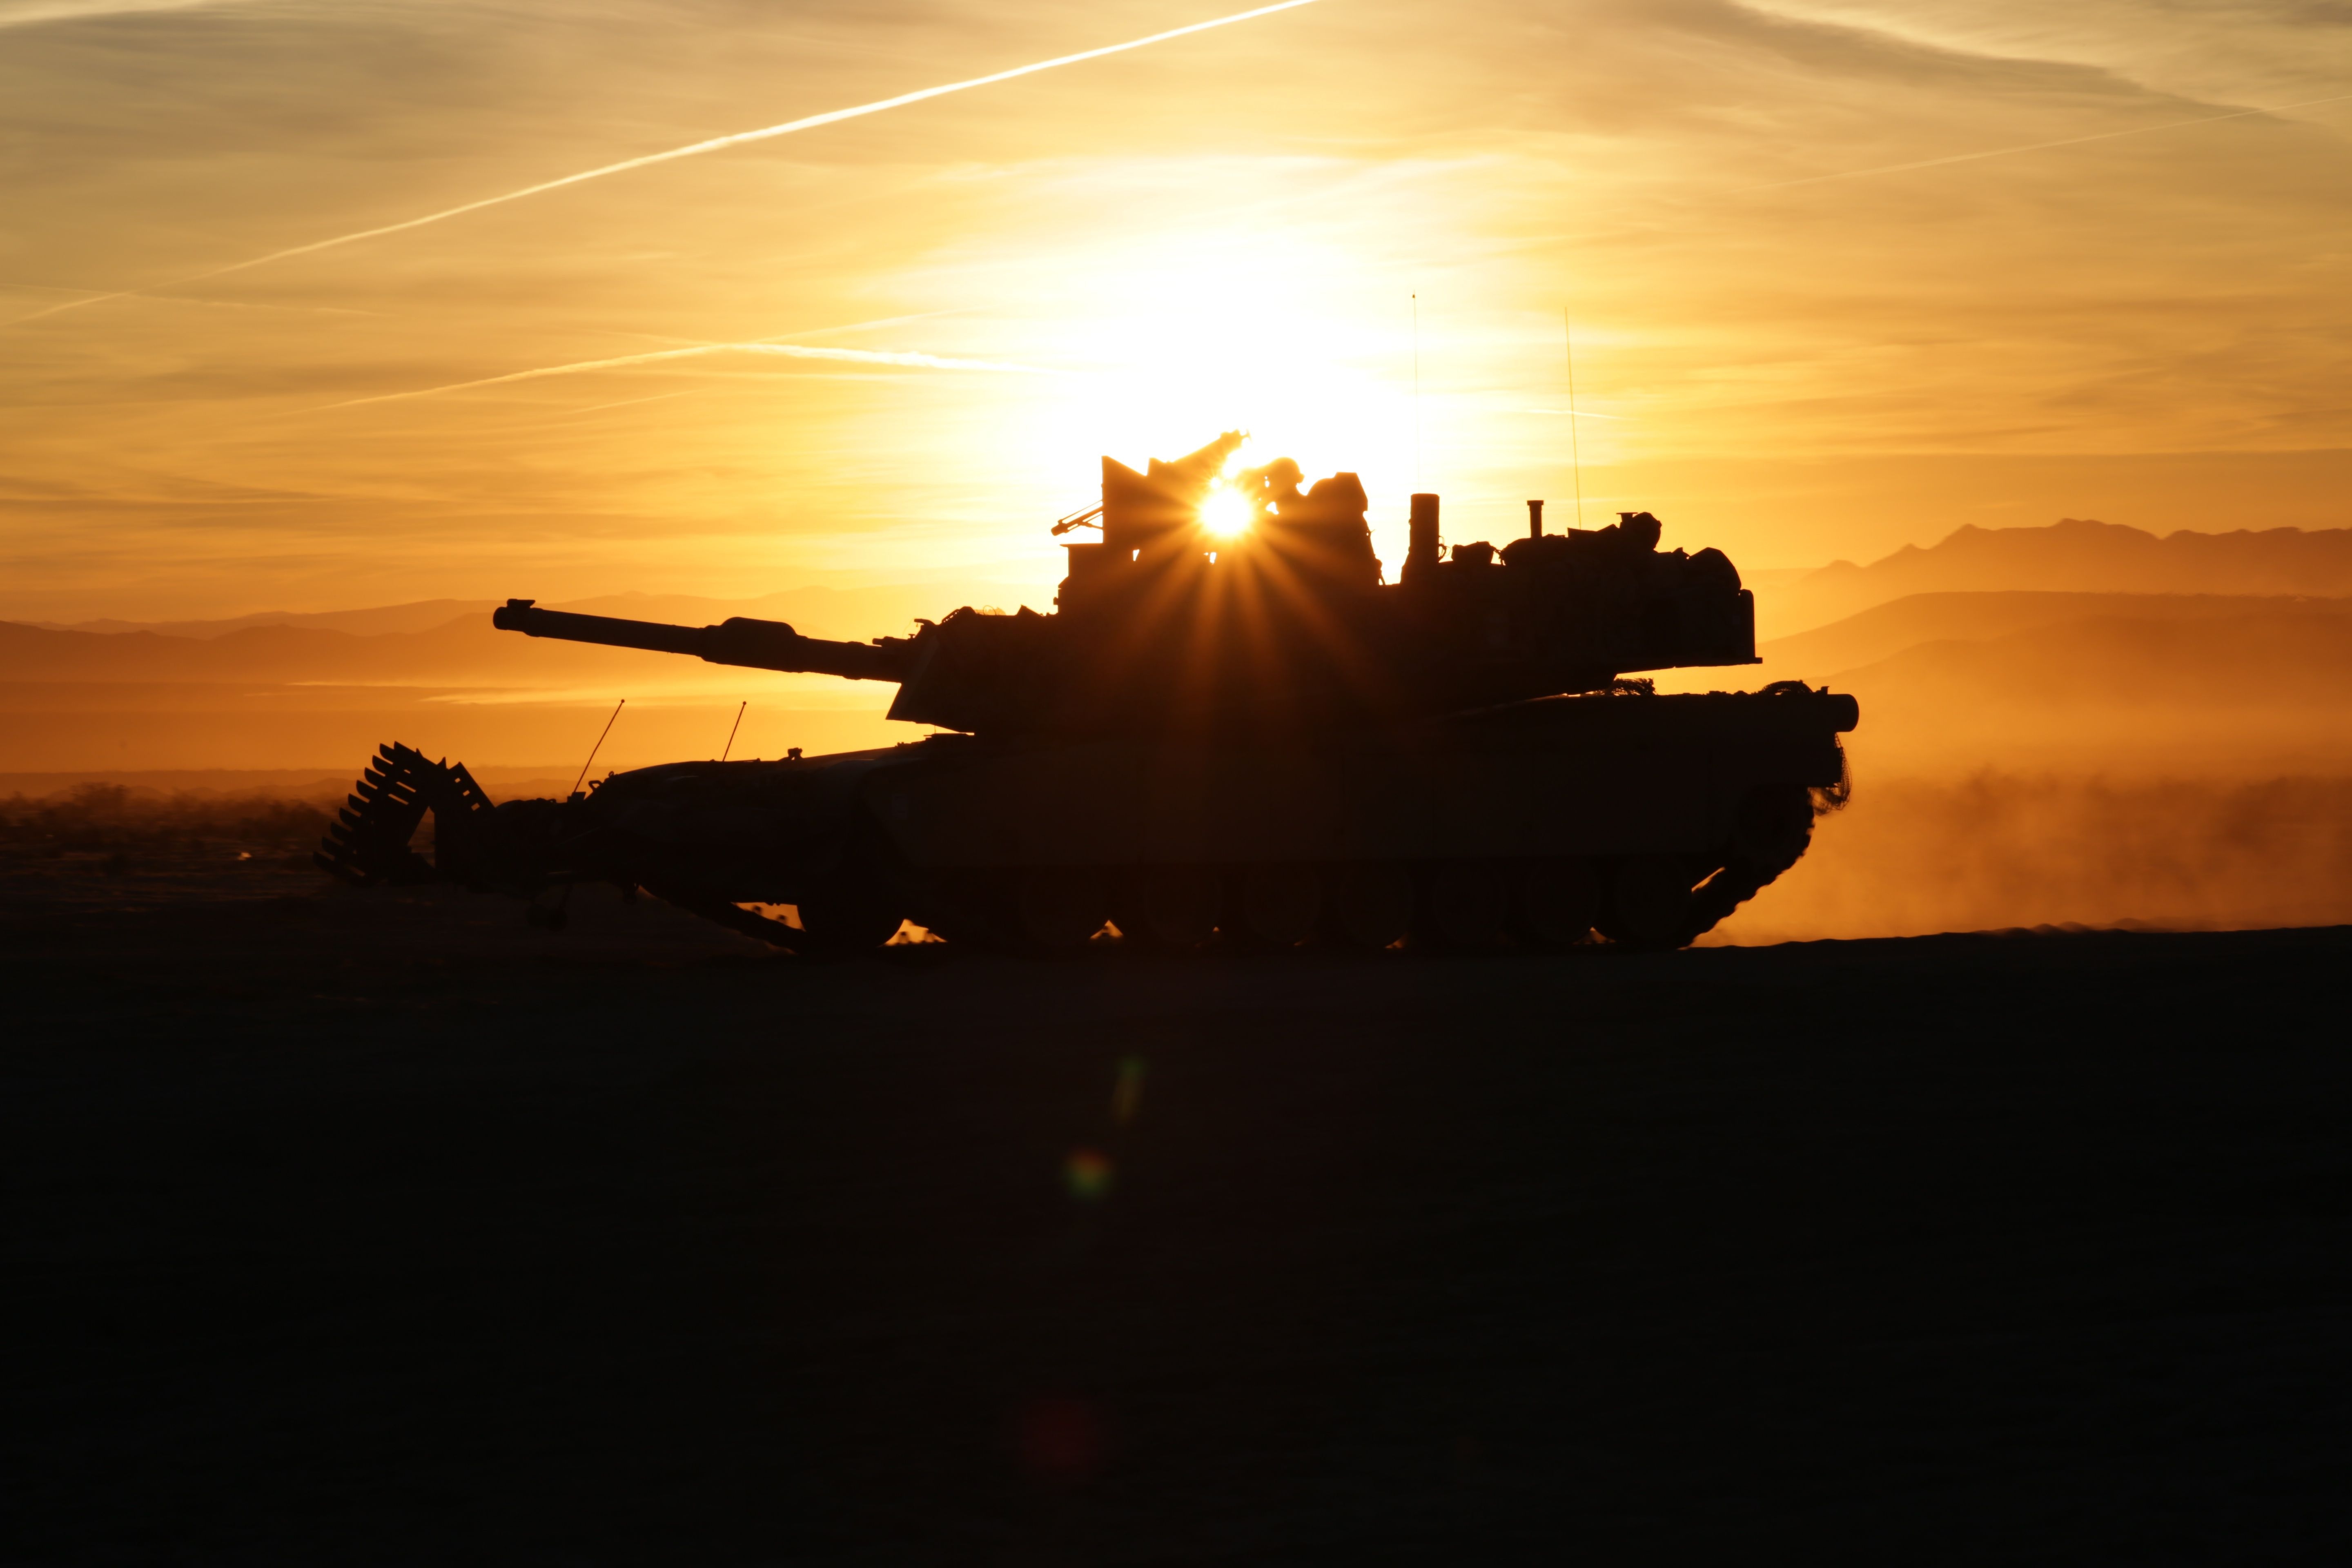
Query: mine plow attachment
x,y
367,845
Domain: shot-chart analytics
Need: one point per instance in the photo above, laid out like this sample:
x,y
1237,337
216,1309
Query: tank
x,y
1232,729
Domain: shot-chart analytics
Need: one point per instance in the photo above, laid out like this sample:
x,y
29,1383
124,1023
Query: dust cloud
x,y
1995,850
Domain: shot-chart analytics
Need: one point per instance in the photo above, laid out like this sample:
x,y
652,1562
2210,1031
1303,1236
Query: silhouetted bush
x,y
110,817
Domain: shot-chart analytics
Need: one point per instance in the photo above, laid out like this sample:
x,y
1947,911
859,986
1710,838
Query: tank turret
x,y
1278,622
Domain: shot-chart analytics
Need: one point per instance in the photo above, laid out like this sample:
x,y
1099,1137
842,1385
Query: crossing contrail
x,y
715,144
2043,146
780,351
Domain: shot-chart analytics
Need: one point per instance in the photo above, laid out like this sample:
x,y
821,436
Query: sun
x,y
1225,513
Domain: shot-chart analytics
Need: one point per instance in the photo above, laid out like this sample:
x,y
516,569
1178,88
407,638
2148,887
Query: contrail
x,y
716,144
783,350
2042,146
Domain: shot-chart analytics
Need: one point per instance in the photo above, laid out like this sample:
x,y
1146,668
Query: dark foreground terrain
x,y
386,1229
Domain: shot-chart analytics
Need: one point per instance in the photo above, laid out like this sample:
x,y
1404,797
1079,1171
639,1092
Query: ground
x,y
347,1227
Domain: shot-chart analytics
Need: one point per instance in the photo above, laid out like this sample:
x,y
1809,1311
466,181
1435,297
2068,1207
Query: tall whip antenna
x,y
599,746
1416,391
1575,446
731,729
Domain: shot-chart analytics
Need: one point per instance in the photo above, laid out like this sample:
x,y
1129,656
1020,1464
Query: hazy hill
x,y
2071,556
1884,631
468,651
422,616
2233,694
851,613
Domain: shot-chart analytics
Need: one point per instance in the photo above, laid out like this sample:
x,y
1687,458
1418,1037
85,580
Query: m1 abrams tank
x,y
1231,727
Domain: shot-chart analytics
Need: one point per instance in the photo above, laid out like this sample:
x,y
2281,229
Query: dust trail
x,y
2043,146
715,144
783,350
1998,850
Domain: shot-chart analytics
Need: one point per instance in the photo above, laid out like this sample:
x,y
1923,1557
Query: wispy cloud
x,y
909,361
24,13
2044,146
696,148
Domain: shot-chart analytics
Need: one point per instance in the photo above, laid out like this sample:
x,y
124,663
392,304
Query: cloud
x,y
2240,50
25,12
693,150
906,361
2046,146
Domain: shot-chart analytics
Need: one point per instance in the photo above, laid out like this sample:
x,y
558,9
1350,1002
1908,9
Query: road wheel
x,y
1370,905
1171,907
1558,901
1466,906
1057,909
1278,905
847,916
1648,903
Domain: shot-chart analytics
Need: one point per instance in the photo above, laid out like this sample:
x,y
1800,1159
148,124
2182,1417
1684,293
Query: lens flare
x,y
1127,1095
1226,513
1089,1175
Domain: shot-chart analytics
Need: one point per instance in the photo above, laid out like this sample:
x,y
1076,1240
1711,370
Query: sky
x,y
1831,289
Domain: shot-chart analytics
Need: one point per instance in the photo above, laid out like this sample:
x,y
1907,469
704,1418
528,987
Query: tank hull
x,y
958,833
1572,776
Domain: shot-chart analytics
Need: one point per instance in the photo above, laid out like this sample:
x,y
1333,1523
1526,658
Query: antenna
x,y
731,729
599,746
1416,391
1575,446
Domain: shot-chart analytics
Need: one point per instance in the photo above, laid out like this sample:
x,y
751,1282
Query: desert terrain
x,y
352,1226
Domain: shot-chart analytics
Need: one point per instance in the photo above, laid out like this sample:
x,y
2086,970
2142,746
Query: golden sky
x,y
1786,344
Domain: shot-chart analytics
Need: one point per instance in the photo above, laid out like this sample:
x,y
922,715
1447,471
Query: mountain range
x,y
853,612
2072,555
2080,646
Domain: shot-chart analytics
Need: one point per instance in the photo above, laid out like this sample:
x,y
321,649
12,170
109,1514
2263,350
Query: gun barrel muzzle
x,y
751,643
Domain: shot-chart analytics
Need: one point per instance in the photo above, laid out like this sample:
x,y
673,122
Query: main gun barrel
x,y
755,645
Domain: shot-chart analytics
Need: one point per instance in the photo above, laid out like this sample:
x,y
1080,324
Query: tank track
x,y
367,845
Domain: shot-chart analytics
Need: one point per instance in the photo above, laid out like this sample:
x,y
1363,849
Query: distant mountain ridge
x,y
422,616
1884,631
881,611
2072,555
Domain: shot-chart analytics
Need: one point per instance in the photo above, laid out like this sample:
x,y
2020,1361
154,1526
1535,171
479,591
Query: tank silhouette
x,y
1231,727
